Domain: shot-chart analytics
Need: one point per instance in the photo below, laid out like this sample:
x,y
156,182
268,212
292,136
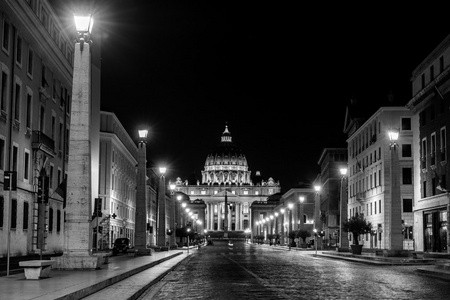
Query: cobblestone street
x,y
247,271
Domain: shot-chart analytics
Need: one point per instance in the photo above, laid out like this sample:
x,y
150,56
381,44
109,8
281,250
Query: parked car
x,y
121,245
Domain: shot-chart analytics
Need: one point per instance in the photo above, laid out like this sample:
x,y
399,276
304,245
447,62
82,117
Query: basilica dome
x,y
226,164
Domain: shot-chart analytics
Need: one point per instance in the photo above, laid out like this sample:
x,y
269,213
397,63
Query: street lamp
x,y
301,199
161,239
188,231
394,227
315,238
140,228
79,186
282,210
317,207
343,237
172,237
290,206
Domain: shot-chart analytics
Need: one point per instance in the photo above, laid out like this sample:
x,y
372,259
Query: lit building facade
x,y
36,58
431,121
369,174
226,175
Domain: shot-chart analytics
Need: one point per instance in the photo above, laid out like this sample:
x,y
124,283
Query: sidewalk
x,y
76,284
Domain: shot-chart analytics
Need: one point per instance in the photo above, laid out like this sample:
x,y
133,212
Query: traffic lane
x,y
211,274
300,274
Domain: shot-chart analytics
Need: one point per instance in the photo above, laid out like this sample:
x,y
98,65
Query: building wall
x,y
430,105
33,29
369,175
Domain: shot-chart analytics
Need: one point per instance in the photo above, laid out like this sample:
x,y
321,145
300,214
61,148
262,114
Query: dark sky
x,y
280,75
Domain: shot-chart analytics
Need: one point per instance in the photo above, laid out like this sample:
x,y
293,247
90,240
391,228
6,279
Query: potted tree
x,y
303,234
357,225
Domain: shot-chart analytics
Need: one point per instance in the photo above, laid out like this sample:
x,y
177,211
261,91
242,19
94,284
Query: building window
x,y
443,144
2,210
431,73
58,221
26,167
14,214
4,91
406,150
407,175
53,133
50,219
17,102
407,205
25,215
19,51
51,175
28,112
5,40
423,81
379,206
406,123
15,157
408,233
30,62
42,119
422,118
441,64
424,189
2,154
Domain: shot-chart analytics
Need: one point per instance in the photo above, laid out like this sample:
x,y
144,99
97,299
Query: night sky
x,y
280,75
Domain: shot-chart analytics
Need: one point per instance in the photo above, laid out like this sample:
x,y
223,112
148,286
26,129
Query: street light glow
x,y
282,210
290,205
393,135
172,186
317,188
343,171
301,198
83,24
179,197
162,170
143,134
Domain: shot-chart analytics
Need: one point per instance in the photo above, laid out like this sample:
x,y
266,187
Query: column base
x,y
398,253
343,249
78,262
143,251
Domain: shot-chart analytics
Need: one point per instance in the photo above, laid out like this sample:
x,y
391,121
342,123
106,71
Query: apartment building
x,y
431,118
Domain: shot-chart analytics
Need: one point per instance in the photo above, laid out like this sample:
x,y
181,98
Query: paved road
x,y
260,272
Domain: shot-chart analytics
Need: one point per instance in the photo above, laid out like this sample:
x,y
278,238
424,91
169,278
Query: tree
x,y
303,234
357,225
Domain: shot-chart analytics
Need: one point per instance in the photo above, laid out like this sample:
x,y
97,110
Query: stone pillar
x,y
79,199
161,235
211,224
343,236
140,229
219,216
394,226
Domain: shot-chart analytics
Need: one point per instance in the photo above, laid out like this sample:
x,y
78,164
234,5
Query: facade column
x,y
79,193
211,217
219,216
229,219
238,216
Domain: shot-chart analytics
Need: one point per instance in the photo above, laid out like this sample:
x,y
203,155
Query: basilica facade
x,y
227,180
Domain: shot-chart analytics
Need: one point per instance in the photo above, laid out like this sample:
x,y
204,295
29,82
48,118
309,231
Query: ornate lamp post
x,y
343,237
79,193
394,228
161,238
140,229
276,227
282,210
301,199
290,207
317,224
173,222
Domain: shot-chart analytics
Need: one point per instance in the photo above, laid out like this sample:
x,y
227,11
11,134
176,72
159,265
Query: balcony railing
x,y
43,142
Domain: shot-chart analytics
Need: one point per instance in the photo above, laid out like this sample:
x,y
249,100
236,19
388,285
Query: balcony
x,y
40,141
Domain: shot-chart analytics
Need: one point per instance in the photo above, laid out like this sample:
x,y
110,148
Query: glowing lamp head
x,y
393,135
172,186
343,171
83,24
282,210
143,135
317,188
162,170
301,199
276,214
290,205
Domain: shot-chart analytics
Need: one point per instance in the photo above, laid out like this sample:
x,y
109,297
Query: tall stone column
x,y
79,199
394,227
219,216
161,238
343,236
140,230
